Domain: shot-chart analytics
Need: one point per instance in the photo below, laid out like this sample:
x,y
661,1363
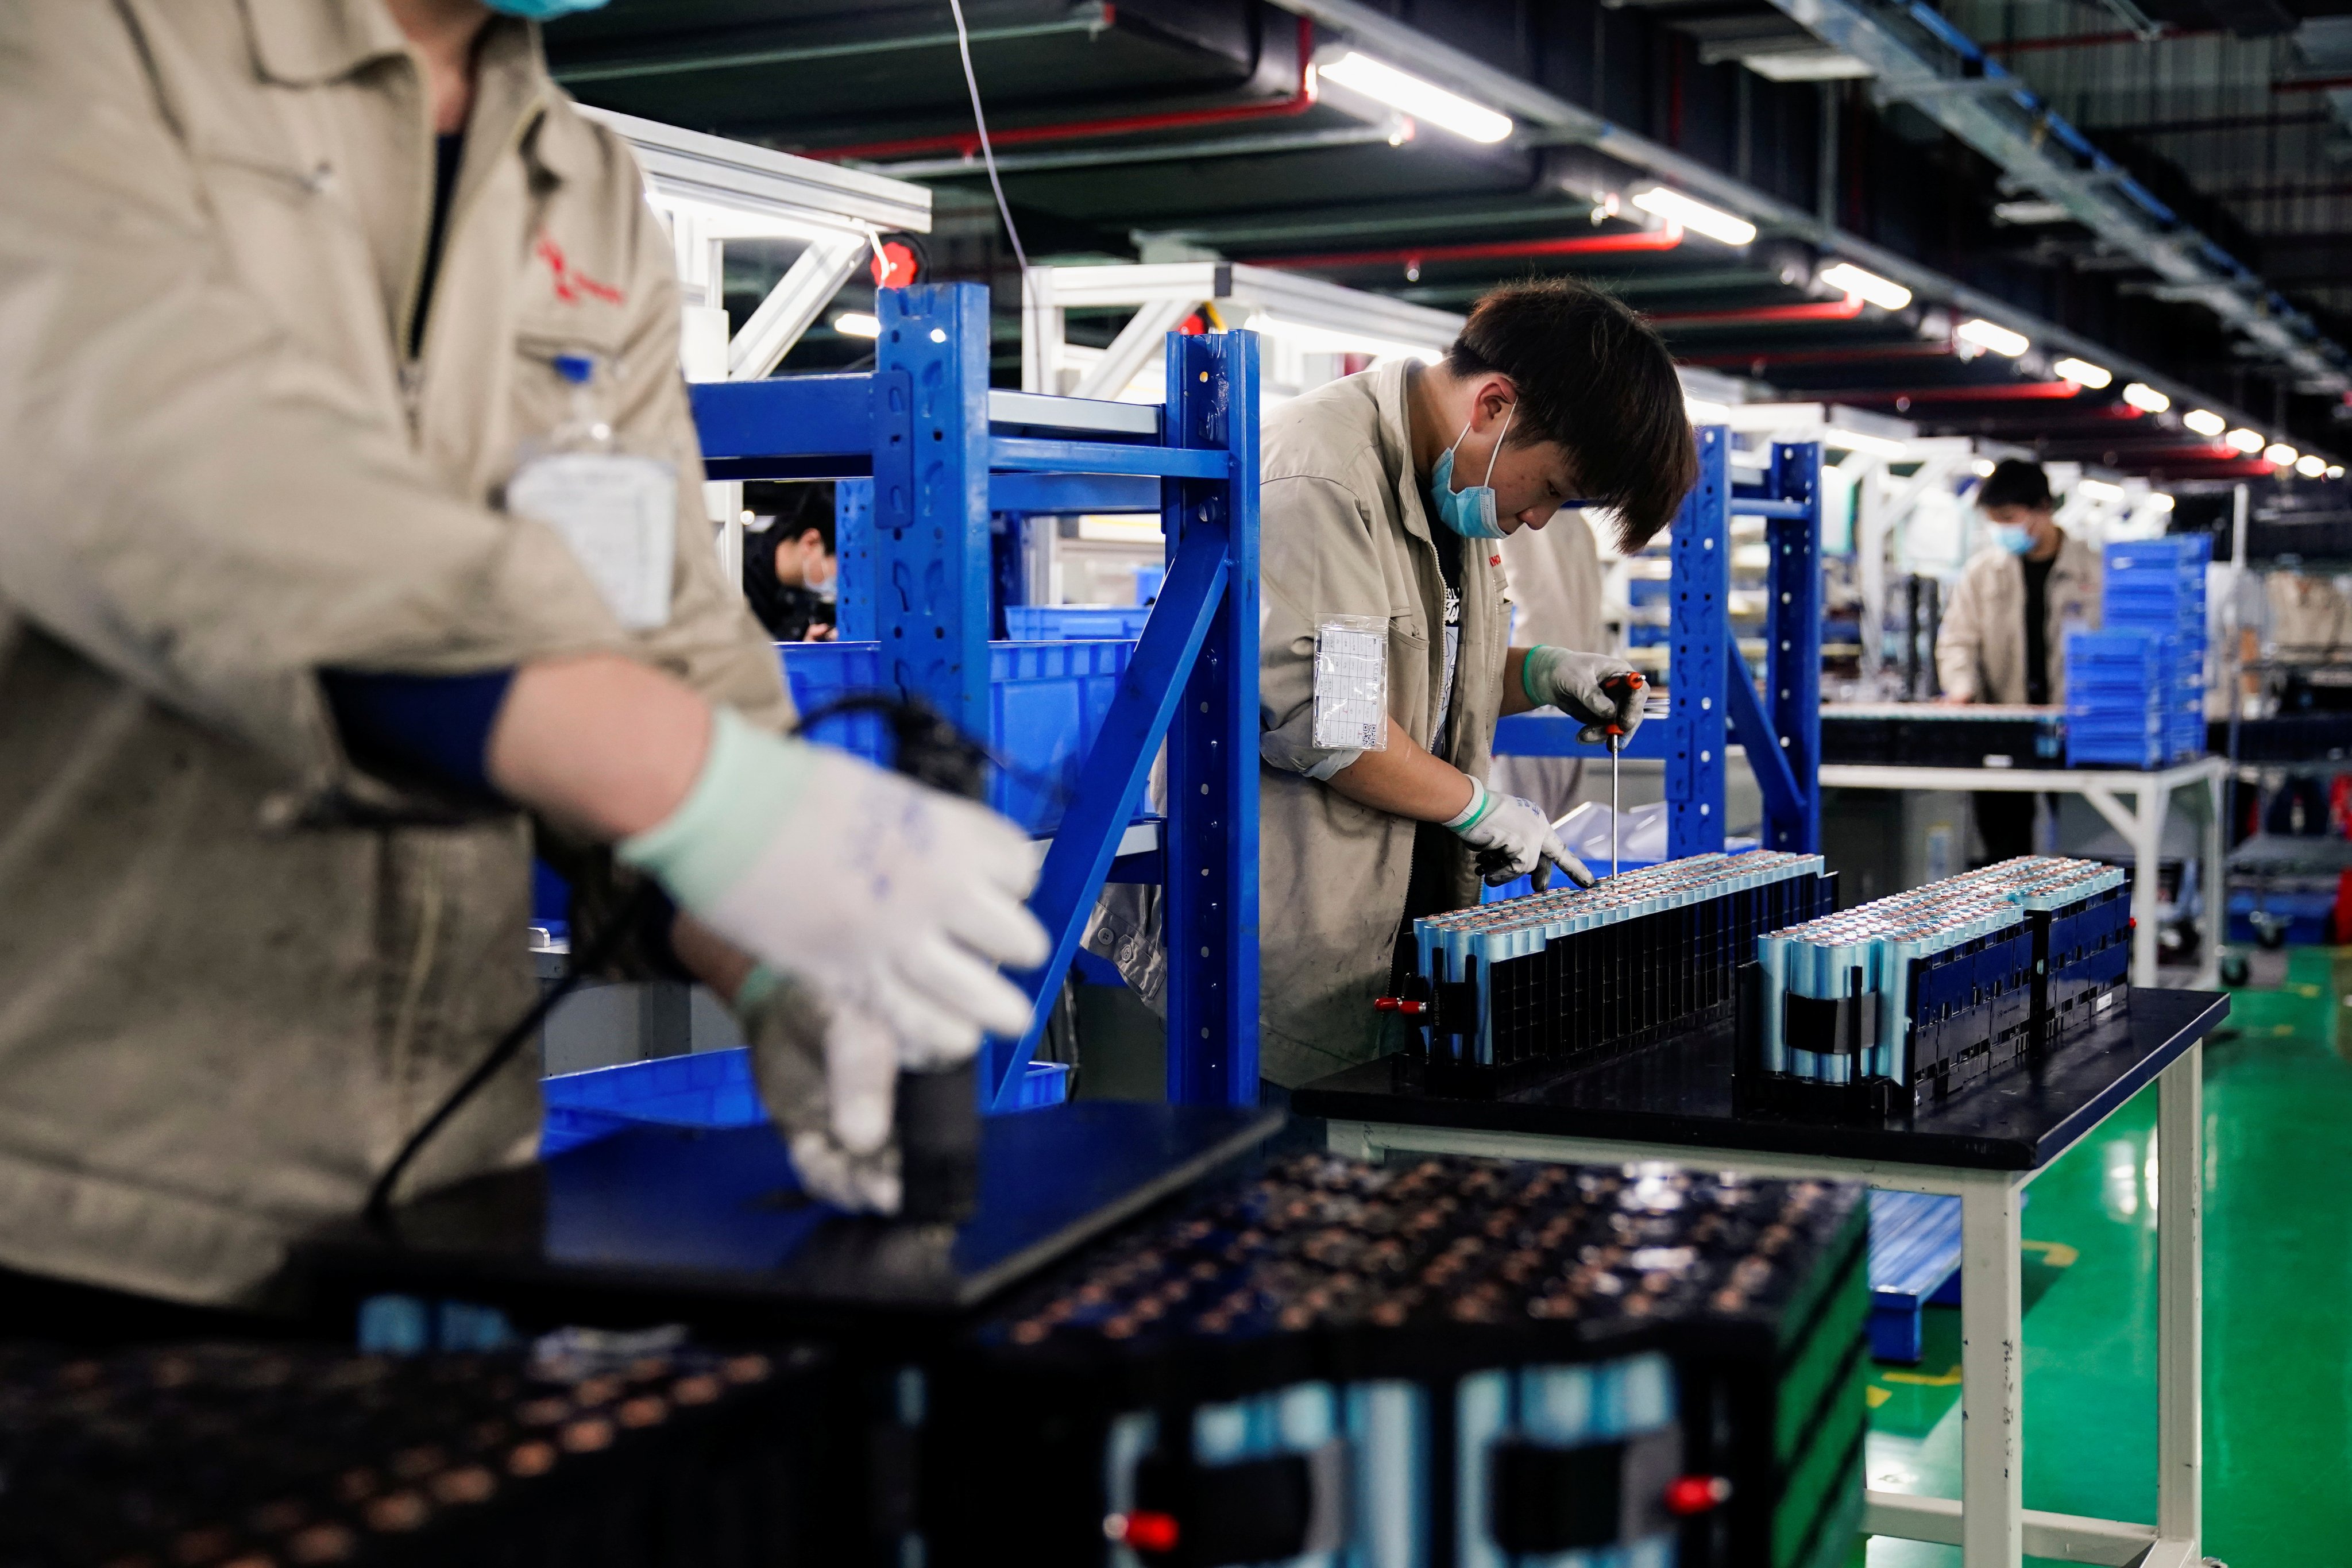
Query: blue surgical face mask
x,y
542,10
1469,512
2013,537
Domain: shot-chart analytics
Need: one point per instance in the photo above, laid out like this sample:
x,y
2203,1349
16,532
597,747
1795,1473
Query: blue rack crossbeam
x,y
943,452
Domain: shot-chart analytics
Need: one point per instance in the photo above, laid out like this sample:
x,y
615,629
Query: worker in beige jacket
x,y
351,536
1385,497
2003,635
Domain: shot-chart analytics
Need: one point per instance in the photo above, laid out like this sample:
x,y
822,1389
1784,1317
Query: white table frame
x,y
2141,824
1990,1521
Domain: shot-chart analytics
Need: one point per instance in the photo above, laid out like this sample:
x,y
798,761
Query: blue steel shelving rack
x,y
945,453
1713,691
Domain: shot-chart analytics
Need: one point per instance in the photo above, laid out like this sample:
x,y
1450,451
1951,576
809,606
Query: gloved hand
x,y
889,904
1512,837
1570,681
826,1074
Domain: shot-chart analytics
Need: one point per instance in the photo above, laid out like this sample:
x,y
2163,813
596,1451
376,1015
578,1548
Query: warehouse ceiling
x,y
2162,188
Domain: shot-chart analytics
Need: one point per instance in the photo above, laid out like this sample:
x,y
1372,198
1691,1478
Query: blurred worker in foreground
x,y
1554,576
2003,635
1384,651
790,567
307,299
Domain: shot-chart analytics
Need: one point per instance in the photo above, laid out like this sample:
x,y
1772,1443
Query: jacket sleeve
x,y
188,497
1959,639
711,641
1316,560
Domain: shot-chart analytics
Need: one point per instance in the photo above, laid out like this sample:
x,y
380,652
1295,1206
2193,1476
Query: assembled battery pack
x,y
1884,1009
1938,735
1451,1363
1514,992
270,1454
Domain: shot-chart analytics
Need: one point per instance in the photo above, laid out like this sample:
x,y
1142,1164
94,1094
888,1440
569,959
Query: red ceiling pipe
x,y
2021,391
1845,309
1665,238
968,141
1940,348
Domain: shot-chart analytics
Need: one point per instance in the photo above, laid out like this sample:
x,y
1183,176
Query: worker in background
x,y
2004,634
335,336
1386,498
790,569
2310,618
1554,575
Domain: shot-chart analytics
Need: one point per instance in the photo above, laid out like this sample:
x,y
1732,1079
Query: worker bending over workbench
x,y
2003,637
352,540
1384,650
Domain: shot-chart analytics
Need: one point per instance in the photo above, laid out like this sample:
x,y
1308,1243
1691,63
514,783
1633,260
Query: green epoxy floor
x,y
2278,1307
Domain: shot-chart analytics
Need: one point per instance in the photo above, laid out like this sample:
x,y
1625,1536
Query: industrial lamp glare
x,y
1988,335
2311,466
2145,398
1696,217
2205,422
2099,490
1848,278
2279,455
2244,440
857,324
2083,372
1423,100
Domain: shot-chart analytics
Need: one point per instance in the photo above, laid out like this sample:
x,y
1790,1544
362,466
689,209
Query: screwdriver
x,y
1616,686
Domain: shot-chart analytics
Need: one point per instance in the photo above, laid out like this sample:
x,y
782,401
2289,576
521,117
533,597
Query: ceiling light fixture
x,y
2244,440
2159,500
1987,335
2311,464
1847,279
1694,216
857,324
1424,100
1982,468
2335,470
2205,422
2099,490
2144,398
2083,372
1855,441
1335,340
2279,455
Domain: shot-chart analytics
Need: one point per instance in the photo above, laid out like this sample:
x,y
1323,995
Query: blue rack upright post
x,y
944,454
1711,689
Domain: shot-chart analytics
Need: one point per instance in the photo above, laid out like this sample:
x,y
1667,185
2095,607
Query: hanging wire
x,y
980,122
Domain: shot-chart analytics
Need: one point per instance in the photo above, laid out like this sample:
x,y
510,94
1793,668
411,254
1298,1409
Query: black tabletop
x,y
1680,1092
667,1222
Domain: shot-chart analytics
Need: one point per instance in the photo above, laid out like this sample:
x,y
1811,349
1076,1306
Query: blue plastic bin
x,y
1050,700
1067,622
704,1089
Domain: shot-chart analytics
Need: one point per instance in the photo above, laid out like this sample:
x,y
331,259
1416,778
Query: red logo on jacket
x,y
571,284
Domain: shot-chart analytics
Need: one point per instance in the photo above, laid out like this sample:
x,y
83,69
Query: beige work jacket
x,y
234,972
1980,643
1342,532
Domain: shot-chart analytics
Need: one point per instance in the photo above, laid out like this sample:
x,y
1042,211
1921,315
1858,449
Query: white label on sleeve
x,y
619,515
1351,683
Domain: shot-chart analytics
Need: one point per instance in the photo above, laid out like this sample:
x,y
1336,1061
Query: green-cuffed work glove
x,y
1590,688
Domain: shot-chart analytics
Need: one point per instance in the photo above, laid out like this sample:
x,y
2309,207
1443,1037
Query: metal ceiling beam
x,y
1556,121
1161,153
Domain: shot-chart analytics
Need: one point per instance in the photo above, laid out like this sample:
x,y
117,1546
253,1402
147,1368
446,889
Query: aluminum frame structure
x,y
943,451
1713,693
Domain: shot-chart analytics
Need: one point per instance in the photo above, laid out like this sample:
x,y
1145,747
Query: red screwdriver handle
x,y
1617,685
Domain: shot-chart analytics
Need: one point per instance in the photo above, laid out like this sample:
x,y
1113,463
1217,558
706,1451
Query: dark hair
x,y
1593,376
797,505
2014,482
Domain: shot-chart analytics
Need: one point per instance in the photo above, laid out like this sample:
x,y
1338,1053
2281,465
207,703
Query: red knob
x,y
1387,1004
1143,1530
1687,1495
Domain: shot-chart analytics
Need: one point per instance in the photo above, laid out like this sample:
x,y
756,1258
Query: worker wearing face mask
x,y
352,547
1384,652
2003,635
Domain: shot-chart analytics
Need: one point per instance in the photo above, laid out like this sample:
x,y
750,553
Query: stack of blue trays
x,y
2158,586
2117,688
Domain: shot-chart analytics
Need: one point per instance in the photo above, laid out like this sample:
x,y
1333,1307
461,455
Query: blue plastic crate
x,y
1068,623
1914,1261
703,1088
1049,702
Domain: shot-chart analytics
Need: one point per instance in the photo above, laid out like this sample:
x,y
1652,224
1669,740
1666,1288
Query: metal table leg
x,y
2213,883
2180,1309
1992,1346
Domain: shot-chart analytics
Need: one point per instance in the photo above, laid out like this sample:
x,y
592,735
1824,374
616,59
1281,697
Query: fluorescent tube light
x,y
1423,100
1987,335
1982,468
2335,470
2083,372
2159,500
1336,341
857,324
1848,278
2205,422
2311,464
1855,441
2144,398
1696,217
2099,490
2278,454
2244,440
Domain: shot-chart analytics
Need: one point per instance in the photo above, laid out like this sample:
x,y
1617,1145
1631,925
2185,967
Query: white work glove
x,y
1510,838
1571,682
828,1076
888,903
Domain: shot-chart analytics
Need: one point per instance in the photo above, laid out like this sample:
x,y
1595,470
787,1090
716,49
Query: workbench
x,y
2142,827
1675,1103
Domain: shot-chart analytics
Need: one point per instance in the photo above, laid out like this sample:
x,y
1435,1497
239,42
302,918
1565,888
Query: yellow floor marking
x,y
2056,1254
1876,1396
1923,1380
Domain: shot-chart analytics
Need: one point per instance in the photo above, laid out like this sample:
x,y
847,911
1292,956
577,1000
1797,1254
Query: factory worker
x,y
2004,634
1386,496
298,293
790,567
